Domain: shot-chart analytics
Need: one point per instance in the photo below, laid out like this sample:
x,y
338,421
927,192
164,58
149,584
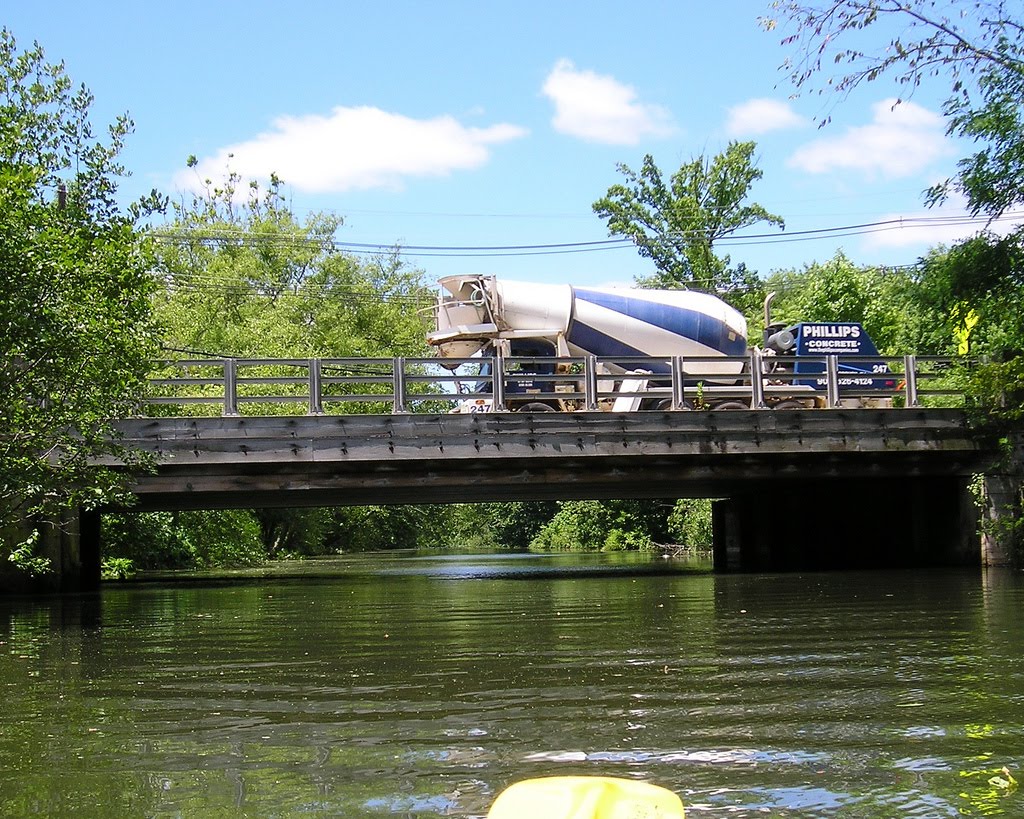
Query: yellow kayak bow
x,y
585,797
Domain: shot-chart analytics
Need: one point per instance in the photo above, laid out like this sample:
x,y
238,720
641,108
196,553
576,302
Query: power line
x,y
245,238
303,294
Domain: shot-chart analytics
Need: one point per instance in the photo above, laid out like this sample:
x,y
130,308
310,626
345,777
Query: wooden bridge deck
x,y
315,460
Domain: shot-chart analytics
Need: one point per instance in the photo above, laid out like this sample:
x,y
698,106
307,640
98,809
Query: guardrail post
x,y
498,384
756,380
678,385
910,377
230,387
831,381
590,382
315,400
398,381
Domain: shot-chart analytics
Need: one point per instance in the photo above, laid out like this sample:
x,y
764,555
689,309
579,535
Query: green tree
x,y
515,524
689,524
195,539
377,528
244,277
676,224
491,526
975,291
614,525
76,329
577,526
976,47
292,532
992,178
910,41
884,300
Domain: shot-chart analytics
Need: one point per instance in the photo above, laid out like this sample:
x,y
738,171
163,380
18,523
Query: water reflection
x,y
421,686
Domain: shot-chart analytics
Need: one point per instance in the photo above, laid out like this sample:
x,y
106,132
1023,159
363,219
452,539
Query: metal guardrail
x,y
399,385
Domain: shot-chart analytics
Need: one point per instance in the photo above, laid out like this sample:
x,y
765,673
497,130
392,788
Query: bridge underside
x,y
914,521
803,488
571,479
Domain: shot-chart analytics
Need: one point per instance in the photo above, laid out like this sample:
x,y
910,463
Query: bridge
x,y
849,474
824,482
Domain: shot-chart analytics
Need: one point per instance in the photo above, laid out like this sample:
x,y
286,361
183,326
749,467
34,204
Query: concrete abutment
x,y
72,547
1002,496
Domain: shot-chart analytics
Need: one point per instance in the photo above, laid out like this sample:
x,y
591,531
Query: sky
x,y
477,135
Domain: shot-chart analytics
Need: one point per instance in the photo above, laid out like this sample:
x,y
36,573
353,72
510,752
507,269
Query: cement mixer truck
x,y
651,349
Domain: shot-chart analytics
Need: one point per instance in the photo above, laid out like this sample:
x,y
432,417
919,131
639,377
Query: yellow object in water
x,y
585,797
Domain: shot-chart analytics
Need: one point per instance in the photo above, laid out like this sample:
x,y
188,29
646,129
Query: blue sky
x,y
473,124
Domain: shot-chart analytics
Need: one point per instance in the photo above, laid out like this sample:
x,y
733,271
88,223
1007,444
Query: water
x,y
420,686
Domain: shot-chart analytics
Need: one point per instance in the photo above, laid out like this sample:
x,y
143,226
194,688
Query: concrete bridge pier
x,y
1002,491
848,524
72,545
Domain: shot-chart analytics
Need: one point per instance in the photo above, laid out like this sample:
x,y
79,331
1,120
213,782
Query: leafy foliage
x,y
615,525
992,178
76,328
244,278
676,224
493,526
689,523
976,289
578,526
919,39
973,291
373,528
183,540
976,46
117,568
887,302
293,532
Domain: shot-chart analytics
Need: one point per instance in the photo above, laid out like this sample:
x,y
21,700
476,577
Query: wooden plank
x,y
733,422
315,460
409,438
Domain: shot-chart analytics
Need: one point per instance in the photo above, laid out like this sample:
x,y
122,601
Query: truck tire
x,y
536,406
665,405
730,405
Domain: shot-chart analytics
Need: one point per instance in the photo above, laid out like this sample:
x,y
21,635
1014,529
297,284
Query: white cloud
x,y
599,108
900,141
759,116
356,148
945,225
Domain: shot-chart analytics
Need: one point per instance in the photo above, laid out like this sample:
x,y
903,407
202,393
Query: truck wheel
x,y
788,405
730,405
666,404
536,406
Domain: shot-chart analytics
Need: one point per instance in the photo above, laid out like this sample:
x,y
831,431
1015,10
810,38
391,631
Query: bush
x,y
183,540
117,568
578,526
689,523
620,540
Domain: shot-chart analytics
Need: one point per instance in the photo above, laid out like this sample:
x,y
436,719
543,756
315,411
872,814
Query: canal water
x,y
419,686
